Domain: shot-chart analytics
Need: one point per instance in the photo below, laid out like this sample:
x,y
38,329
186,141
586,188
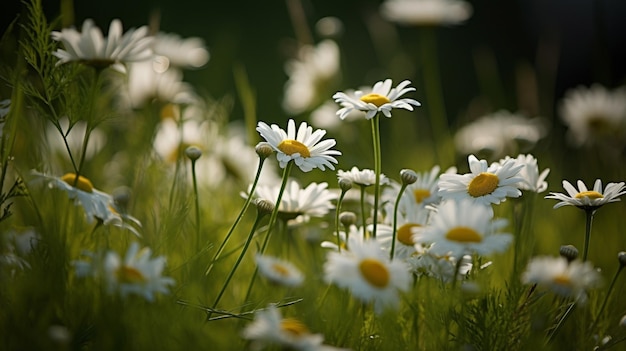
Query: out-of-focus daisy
x,y
173,50
588,199
500,133
74,138
137,273
531,179
368,273
569,279
305,147
279,271
313,201
15,246
364,177
325,116
426,12
461,227
172,139
96,204
269,328
594,114
354,233
90,47
150,81
423,192
382,98
485,184
424,263
311,76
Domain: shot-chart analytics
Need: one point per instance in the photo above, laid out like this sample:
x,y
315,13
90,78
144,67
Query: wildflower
x,y
279,271
346,239
365,177
303,147
594,114
442,267
269,328
500,133
311,75
569,279
426,12
91,48
325,116
485,184
312,201
172,139
588,199
368,273
382,98
171,49
531,179
460,227
408,221
137,273
423,192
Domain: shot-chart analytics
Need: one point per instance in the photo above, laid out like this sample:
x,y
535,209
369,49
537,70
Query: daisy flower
x,y
368,273
426,12
423,192
382,98
569,279
365,177
137,273
279,271
302,146
588,199
180,52
269,328
90,47
424,263
485,184
312,201
408,221
594,114
460,227
354,233
531,179
500,133
311,75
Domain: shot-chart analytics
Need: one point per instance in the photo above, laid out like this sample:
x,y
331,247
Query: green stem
x,y
395,220
239,217
260,215
589,219
606,298
88,128
343,193
196,201
363,216
560,322
377,168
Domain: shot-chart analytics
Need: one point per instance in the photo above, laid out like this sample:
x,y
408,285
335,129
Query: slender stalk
x,y
363,216
606,298
196,201
395,219
88,128
239,217
377,168
260,215
589,219
337,211
457,268
560,322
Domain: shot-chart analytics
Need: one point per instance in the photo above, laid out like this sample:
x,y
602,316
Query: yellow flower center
x,y
170,111
280,269
375,99
374,272
290,147
293,327
405,233
130,275
421,195
81,183
483,184
562,280
464,235
589,194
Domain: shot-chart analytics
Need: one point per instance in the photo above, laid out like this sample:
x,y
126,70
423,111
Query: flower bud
x,y
264,207
264,150
193,153
345,184
621,257
347,218
570,252
408,176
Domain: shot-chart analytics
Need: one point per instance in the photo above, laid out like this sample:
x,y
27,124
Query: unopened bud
x,y
264,150
193,153
345,184
570,252
408,176
621,257
347,218
264,207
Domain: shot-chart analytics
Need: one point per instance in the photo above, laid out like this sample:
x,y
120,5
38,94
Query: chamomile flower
x,y
279,271
408,221
180,52
302,146
426,12
312,201
382,98
345,238
485,184
460,227
148,81
269,328
364,177
531,179
588,199
136,274
424,192
368,273
444,268
311,76
91,48
569,279
594,114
